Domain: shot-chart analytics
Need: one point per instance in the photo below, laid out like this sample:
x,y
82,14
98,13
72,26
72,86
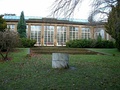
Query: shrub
x,y
105,44
118,45
8,41
84,43
27,42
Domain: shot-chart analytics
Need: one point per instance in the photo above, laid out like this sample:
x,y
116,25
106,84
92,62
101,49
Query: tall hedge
x,y
84,43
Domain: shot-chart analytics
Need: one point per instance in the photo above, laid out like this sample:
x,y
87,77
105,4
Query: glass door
x,y
36,34
61,36
48,35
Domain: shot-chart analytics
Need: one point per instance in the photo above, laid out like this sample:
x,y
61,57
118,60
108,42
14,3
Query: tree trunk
x,y
6,55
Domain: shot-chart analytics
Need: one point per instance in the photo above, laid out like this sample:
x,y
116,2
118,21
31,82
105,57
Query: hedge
x,y
27,42
84,43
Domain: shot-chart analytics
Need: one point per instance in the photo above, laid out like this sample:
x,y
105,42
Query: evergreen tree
x,y
21,27
113,24
99,38
3,24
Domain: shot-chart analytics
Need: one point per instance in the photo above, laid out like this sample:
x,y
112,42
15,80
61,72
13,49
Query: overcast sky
x,y
37,8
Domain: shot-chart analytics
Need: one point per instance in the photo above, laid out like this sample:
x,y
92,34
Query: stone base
x,y
60,60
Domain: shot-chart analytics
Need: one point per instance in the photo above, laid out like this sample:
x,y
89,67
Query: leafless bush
x,y
8,40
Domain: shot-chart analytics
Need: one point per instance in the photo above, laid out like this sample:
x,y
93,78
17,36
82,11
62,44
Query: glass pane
x,y
48,35
36,33
85,33
73,33
61,35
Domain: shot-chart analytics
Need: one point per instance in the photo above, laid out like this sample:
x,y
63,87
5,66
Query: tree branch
x,y
66,8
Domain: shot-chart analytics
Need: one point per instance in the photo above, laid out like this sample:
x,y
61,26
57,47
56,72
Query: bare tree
x,y
8,40
66,8
100,9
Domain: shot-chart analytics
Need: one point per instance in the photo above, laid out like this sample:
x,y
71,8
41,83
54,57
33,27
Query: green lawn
x,y
87,72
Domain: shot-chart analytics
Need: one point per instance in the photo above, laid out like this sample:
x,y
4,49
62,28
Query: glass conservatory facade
x,y
56,32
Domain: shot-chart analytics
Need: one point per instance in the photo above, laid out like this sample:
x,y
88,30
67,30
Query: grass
x,y
87,72
107,51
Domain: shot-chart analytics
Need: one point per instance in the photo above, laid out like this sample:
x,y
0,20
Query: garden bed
x,y
50,50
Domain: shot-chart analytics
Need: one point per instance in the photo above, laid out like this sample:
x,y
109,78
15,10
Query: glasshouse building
x,y
56,32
